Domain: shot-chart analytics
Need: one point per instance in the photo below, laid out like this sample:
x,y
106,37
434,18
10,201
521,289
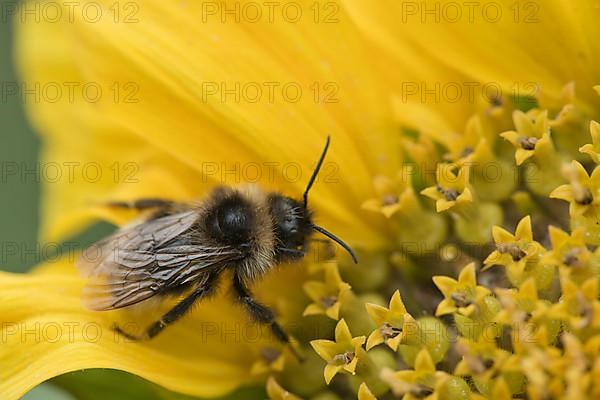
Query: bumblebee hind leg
x,y
261,313
173,314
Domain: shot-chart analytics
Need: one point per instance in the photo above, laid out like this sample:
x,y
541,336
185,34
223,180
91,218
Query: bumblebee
x,y
184,248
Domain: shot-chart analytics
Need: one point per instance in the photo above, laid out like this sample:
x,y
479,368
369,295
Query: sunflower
x,y
479,107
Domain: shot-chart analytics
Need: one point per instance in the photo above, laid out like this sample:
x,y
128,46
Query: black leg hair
x,y
261,313
258,312
175,313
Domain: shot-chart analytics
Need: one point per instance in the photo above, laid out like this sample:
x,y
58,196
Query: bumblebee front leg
x,y
259,312
173,314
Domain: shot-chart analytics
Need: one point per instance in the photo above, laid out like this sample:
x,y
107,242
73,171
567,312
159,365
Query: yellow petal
x,y
595,132
396,303
175,118
330,371
374,339
523,230
45,325
377,313
333,312
423,362
419,73
444,307
315,290
445,284
501,390
327,349
276,392
501,235
557,236
442,205
342,332
313,309
563,192
522,155
480,41
364,393
432,192
467,275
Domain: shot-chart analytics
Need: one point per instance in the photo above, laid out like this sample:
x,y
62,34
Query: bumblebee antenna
x,y
337,240
314,175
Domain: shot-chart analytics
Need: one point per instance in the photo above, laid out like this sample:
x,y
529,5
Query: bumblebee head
x,y
293,221
293,225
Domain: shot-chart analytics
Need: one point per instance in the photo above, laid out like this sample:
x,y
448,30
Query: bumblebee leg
x,y
260,313
142,204
173,314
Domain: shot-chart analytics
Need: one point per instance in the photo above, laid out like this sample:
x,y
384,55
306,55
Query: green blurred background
x,y
19,146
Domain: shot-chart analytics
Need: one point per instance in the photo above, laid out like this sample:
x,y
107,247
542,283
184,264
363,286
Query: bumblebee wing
x,y
147,259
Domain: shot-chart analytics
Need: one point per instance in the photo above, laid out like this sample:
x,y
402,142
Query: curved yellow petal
x,y
49,333
177,63
374,339
330,371
208,353
364,393
417,77
477,39
445,284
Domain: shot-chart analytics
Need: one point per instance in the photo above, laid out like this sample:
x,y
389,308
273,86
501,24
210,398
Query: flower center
x,y
269,354
449,194
511,248
388,331
571,258
586,312
528,142
390,199
466,152
421,391
460,299
583,196
343,358
479,364
328,301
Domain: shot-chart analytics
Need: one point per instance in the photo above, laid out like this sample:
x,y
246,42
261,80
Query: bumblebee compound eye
x,y
232,221
291,221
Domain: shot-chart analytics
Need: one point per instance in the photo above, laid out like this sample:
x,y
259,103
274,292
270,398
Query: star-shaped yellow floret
x,y
328,295
462,295
390,322
570,252
593,149
342,354
582,190
452,188
472,146
393,195
532,134
269,359
483,358
421,383
532,320
579,305
520,255
512,248
520,304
